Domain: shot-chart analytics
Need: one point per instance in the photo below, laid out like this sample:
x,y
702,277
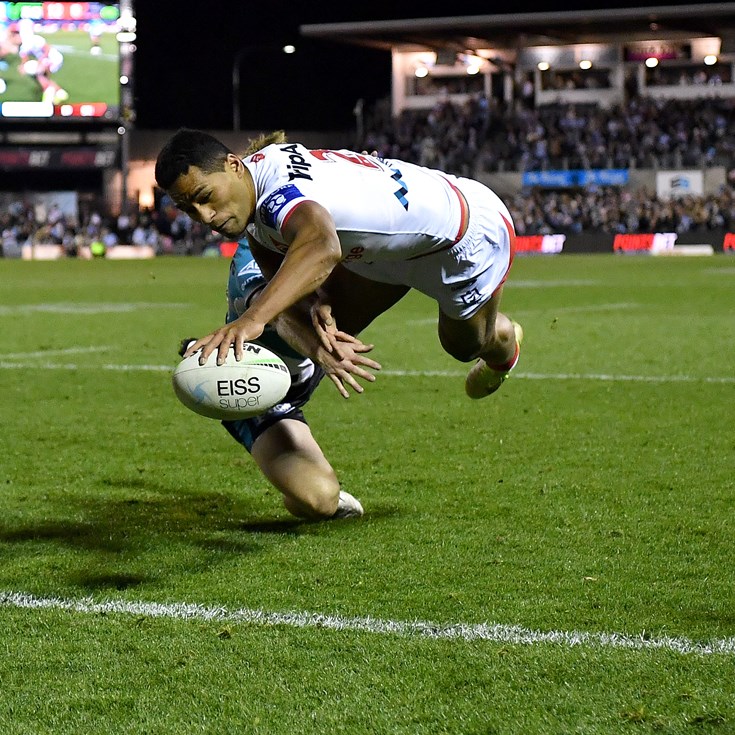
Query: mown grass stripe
x,y
494,633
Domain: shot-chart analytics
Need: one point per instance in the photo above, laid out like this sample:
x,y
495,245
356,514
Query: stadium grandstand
x,y
604,130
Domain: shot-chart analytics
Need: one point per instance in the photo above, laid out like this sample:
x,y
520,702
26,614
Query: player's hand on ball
x,y
184,345
235,334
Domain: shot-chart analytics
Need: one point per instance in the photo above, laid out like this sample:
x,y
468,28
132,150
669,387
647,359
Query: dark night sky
x,y
184,59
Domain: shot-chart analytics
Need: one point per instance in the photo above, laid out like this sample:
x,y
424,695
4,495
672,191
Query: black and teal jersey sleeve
x,y
245,280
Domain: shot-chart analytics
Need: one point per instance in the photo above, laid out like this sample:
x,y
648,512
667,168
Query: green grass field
x,y
555,559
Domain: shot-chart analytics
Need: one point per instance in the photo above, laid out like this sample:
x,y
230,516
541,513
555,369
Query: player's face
x,y
223,200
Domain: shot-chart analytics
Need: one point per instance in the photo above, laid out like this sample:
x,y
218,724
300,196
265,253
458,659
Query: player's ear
x,y
234,164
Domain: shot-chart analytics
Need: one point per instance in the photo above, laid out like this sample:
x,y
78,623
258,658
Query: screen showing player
x,y
60,60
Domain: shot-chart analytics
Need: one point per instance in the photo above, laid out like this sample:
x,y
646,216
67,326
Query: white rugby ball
x,y
30,67
232,390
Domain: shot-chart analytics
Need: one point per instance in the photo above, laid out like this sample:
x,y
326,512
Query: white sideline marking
x,y
92,308
72,367
495,633
531,283
64,351
621,306
569,376
394,373
595,307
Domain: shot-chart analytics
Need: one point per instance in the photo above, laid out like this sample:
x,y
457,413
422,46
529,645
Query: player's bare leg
x,y
294,463
491,338
357,301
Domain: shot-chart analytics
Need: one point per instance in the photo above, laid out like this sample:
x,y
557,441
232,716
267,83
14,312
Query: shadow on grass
x,y
126,531
107,580
126,524
116,525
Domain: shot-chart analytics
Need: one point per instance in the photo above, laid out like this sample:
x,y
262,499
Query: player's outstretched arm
x,y
313,252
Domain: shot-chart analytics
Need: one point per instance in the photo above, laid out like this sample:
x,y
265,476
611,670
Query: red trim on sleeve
x,y
290,212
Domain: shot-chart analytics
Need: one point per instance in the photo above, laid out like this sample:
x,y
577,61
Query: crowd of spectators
x,y
482,137
478,138
615,211
164,228
485,136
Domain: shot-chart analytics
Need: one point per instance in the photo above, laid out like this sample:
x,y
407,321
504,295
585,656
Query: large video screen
x,y
59,60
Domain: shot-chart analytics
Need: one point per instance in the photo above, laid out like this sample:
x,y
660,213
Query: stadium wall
x,y
509,183
700,242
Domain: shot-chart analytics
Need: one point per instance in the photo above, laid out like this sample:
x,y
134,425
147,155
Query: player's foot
x,y
61,96
348,507
482,380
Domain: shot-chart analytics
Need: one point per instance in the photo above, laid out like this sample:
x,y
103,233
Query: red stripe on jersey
x,y
464,210
512,236
464,219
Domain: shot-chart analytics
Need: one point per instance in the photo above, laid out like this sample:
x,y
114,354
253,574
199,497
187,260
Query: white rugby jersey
x,y
383,209
39,48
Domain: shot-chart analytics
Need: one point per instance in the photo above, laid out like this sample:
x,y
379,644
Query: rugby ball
x,y
30,67
235,389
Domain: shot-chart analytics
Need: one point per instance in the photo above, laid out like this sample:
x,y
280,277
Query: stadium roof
x,y
555,28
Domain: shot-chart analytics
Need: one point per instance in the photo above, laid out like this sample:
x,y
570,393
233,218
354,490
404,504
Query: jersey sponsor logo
x,y
251,265
253,279
299,167
355,253
276,201
280,408
471,297
324,154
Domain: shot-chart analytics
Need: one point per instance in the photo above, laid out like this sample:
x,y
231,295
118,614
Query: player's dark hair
x,y
189,148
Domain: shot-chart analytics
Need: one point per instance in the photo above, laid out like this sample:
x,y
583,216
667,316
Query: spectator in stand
x,y
642,133
109,237
124,228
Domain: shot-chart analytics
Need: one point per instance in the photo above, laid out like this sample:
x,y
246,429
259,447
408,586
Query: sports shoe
x,y
348,507
482,380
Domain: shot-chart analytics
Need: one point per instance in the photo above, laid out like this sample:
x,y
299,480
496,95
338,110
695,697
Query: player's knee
x,y
316,505
462,350
468,346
